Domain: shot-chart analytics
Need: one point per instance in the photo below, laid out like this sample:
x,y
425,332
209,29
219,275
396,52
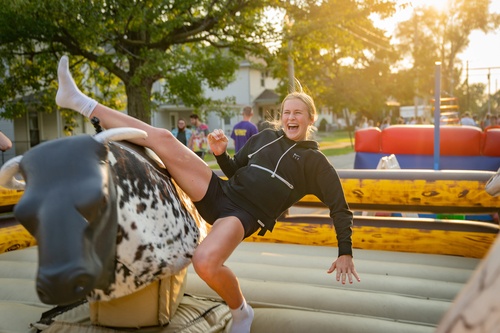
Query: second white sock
x,y
242,318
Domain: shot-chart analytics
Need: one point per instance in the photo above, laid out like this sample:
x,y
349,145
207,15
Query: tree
x,y
338,53
472,98
126,46
431,36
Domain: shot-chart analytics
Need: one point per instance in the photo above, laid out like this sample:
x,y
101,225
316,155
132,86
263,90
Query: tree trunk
x,y
139,100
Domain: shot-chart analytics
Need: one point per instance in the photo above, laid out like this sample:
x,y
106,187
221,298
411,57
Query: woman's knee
x,y
203,265
159,138
161,134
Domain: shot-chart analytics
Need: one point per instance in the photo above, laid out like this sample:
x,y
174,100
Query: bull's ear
x,y
8,172
120,133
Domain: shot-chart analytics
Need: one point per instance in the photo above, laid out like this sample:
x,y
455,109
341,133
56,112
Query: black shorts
x,y
215,204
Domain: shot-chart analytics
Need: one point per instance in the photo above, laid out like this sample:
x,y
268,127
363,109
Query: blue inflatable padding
x,y
485,163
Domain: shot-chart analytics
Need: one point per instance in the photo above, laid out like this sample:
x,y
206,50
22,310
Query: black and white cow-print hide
x,y
159,227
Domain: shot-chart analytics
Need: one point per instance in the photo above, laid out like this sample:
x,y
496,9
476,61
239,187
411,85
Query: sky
x,y
483,51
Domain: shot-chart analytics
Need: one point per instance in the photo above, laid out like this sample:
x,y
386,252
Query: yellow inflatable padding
x,y
9,197
15,237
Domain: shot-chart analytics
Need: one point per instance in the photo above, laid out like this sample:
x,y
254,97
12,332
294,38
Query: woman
x,y
181,132
271,172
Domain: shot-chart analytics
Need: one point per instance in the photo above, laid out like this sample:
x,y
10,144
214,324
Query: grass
x,y
325,139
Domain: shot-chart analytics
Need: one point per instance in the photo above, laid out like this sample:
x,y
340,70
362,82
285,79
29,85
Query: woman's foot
x,y
242,318
68,95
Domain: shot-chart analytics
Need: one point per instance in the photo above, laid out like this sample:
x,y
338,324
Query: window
x,y
33,129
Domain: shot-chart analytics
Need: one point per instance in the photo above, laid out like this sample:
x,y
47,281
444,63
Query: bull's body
x,y
106,218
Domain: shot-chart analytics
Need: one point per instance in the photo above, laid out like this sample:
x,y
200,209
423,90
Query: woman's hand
x,y
345,269
217,142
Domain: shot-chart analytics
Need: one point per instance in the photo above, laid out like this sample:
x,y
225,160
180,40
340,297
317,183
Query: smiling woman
x,y
298,115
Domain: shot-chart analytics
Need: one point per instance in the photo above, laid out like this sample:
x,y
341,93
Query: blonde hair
x,y
308,101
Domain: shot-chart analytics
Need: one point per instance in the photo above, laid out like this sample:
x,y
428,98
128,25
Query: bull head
x,y
69,195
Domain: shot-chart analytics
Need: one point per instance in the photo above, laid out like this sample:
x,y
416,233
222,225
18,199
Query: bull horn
x,y
8,172
120,133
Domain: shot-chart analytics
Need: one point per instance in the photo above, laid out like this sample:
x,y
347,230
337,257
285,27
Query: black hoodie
x,y
271,173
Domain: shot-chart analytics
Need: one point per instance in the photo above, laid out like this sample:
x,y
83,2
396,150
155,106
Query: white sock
x,y
68,95
242,318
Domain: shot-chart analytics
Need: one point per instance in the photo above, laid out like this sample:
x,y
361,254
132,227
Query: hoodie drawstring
x,y
264,146
274,172
278,163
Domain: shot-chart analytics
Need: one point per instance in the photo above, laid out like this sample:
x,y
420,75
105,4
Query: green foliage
x,y
338,54
431,36
124,47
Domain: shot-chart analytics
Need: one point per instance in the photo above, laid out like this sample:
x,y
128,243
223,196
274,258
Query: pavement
x,y
345,161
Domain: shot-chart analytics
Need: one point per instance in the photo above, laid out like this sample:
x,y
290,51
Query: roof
x,y
268,96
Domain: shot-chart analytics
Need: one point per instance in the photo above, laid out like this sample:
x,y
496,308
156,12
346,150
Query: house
x,y
253,86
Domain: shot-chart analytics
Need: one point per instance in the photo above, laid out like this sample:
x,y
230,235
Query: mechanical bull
x,y
108,220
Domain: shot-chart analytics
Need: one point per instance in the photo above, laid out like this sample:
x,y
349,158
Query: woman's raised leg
x,y
190,172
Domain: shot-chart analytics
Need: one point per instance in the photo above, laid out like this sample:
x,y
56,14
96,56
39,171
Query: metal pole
x,y
489,91
437,114
291,66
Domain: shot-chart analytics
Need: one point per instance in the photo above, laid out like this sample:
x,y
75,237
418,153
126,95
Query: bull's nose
x,y
64,291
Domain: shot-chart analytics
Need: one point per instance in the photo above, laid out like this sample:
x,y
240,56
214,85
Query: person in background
x,y
486,121
493,123
198,141
363,123
5,143
262,124
467,120
386,123
181,132
243,130
269,174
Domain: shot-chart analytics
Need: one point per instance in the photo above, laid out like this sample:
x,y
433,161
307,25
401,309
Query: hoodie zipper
x,y
273,175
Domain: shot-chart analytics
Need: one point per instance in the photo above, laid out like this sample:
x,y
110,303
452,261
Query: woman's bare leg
x,y
190,172
208,261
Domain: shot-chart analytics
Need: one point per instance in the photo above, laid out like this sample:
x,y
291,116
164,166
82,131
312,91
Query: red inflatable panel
x,y
408,139
492,142
367,140
461,141
419,140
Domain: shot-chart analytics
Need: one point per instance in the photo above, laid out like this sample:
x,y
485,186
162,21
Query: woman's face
x,y
181,124
295,119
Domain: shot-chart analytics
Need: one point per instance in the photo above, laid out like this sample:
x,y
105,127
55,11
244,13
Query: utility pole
x,y
467,83
291,66
489,81
489,90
